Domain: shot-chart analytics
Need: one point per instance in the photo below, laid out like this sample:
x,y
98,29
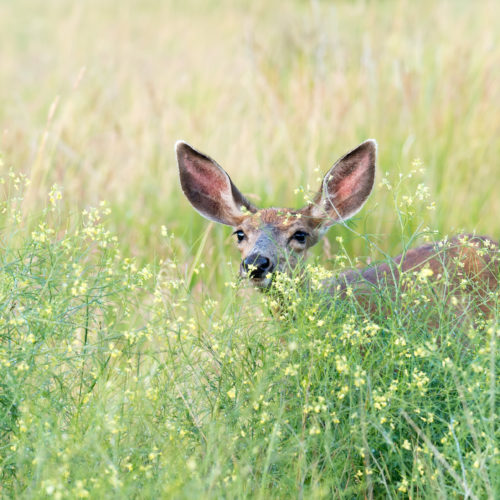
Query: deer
x,y
275,240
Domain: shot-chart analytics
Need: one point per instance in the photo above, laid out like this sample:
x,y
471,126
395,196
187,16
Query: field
x,y
133,363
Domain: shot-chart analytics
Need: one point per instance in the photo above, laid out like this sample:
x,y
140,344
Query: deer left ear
x,y
209,188
346,186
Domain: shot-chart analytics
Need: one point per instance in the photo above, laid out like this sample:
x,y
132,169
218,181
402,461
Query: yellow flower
x,y
314,430
403,487
425,272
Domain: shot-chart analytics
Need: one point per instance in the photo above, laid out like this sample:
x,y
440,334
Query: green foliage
x,y
124,381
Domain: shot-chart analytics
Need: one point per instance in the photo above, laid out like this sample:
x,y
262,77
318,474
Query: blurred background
x,y
95,93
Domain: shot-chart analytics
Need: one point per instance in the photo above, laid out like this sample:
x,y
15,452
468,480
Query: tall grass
x,y
118,381
131,363
95,97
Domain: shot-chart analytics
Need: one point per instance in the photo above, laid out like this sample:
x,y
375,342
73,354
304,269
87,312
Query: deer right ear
x,y
208,187
346,186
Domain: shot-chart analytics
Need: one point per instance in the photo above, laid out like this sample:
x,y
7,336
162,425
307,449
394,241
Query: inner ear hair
x,y
346,186
209,188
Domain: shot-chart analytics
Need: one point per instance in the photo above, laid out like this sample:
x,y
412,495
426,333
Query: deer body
x,y
276,239
468,264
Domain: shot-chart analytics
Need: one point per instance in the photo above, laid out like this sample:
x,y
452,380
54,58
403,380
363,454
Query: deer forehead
x,y
282,220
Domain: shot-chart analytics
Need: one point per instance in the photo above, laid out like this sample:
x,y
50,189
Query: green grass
x,y
122,381
131,364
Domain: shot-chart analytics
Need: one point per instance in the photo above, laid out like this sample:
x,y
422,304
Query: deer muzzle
x,y
256,266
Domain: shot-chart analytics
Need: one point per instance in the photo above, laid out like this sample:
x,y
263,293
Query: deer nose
x,y
258,266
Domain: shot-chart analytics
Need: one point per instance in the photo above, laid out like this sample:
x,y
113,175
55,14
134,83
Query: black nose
x,y
258,266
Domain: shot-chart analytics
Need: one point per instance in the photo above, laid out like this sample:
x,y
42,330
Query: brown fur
x,y
467,264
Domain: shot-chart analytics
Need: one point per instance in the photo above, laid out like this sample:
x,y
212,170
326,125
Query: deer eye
x,y
300,236
240,235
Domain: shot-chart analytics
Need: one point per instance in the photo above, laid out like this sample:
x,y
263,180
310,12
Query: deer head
x,y
273,239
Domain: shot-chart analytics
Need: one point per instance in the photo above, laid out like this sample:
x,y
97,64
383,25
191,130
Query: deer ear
x,y
346,186
208,187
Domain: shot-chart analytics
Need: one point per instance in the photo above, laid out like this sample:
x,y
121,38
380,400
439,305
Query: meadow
x,y
133,362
